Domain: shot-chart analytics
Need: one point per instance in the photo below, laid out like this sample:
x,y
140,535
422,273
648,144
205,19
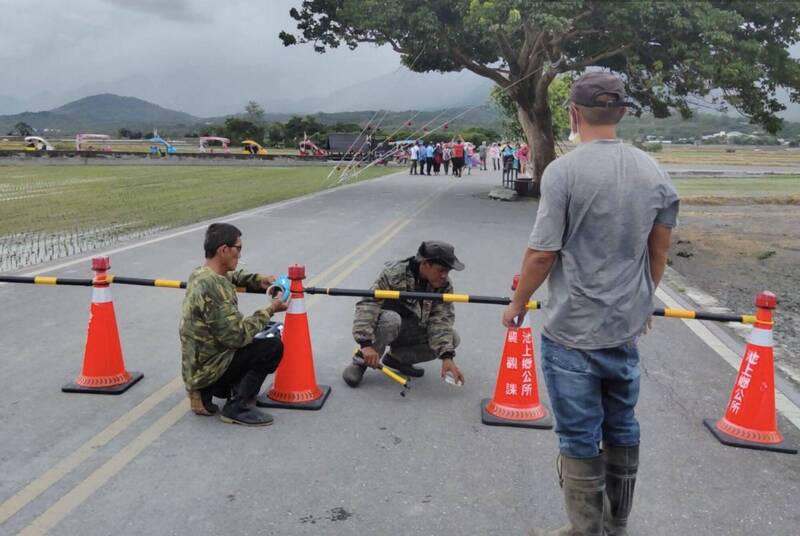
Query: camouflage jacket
x,y
212,328
437,317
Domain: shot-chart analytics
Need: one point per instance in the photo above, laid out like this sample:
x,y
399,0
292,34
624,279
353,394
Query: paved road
x,y
370,462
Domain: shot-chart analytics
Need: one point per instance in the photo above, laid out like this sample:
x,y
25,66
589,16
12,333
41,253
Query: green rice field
x,y
49,212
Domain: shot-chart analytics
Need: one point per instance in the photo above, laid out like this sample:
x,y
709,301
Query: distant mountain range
x,y
104,113
107,113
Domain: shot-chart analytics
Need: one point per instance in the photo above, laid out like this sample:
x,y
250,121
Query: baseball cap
x,y
588,87
440,253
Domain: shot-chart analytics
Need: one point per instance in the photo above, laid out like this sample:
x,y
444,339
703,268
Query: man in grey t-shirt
x,y
601,238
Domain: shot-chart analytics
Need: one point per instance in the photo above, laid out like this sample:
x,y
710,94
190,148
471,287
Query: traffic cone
x,y
295,384
516,395
103,365
750,420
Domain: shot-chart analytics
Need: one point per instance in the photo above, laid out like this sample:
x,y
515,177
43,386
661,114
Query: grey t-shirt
x,y
598,206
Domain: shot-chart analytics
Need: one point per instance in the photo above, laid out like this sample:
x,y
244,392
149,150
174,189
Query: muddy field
x,y
733,250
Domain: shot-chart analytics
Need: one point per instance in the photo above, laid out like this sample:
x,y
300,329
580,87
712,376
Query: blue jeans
x,y
593,394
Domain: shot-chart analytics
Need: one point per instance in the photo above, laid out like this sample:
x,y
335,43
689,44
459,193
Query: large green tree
x,y
670,52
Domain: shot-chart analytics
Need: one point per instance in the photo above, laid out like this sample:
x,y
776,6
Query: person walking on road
x,y
428,157
601,239
223,352
417,331
483,153
447,156
413,155
458,157
494,156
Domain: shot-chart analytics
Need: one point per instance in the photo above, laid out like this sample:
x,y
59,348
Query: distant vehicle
x,y
207,144
37,143
352,145
253,147
82,139
170,149
309,148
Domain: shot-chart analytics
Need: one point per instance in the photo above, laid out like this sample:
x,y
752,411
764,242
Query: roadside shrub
x,y
652,147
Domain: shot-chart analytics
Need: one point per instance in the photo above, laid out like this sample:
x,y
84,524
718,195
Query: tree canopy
x,y
672,54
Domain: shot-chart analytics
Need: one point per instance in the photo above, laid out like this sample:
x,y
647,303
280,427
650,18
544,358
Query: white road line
x,y
782,402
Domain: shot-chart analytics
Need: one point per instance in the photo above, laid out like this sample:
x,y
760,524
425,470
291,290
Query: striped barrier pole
x,y
532,305
366,293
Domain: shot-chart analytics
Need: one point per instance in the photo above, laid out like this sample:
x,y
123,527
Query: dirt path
x,y
734,251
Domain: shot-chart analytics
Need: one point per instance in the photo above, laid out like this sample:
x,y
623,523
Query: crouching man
x,y
417,331
222,352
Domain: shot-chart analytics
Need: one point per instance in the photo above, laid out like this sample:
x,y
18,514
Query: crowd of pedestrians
x,y
429,158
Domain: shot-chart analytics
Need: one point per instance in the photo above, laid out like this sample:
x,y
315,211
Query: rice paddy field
x,y
49,212
767,189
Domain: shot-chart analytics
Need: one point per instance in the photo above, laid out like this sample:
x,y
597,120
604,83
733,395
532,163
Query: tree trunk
x,y
537,122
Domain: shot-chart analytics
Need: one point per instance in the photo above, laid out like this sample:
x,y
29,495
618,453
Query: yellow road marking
x,y
118,461
88,486
62,468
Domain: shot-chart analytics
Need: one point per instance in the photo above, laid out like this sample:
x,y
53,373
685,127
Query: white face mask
x,y
573,136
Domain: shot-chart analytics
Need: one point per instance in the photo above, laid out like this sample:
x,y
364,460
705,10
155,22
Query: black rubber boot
x,y
241,407
402,368
583,482
354,372
621,464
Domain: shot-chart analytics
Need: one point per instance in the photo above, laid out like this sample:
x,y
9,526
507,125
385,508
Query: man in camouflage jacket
x,y
417,330
223,353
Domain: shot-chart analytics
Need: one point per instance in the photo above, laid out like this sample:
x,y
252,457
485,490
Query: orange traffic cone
x,y
103,366
516,395
750,420
295,384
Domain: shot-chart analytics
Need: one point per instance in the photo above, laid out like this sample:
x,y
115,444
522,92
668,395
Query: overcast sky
x,y
222,50
205,57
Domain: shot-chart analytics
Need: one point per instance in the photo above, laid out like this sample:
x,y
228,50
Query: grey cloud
x,y
174,10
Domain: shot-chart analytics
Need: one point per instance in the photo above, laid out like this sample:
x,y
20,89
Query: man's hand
x,y
278,305
268,280
647,326
370,357
449,366
514,315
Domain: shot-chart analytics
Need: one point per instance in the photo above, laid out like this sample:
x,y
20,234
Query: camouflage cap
x,y
440,253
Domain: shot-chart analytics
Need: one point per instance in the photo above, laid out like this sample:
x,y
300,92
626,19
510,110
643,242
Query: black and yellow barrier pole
x,y
533,304
45,280
409,295
366,293
703,315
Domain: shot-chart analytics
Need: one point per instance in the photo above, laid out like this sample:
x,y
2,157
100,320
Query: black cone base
x,y
731,441
545,423
263,401
118,389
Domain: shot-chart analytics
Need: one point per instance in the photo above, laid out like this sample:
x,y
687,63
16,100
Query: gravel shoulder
x,y
734,251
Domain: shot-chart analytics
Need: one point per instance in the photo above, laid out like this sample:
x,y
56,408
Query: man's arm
x,y
229,326
658,248
366,318
535,267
